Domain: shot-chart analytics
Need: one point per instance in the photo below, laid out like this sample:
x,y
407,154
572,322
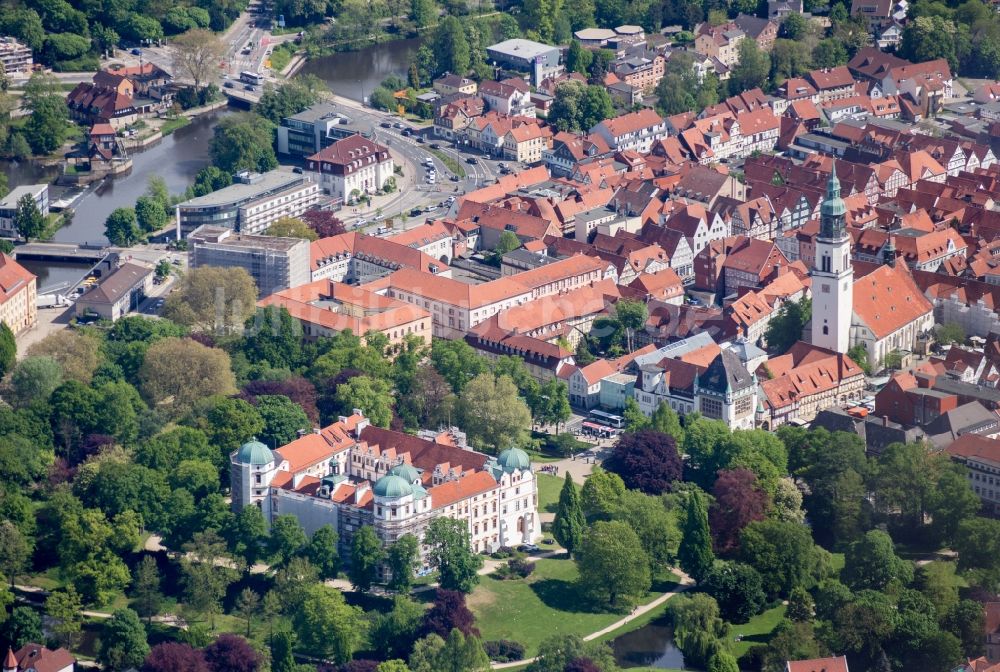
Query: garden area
x,y
544,604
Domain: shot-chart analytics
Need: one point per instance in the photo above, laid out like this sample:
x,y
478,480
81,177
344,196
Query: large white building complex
x,y
351,474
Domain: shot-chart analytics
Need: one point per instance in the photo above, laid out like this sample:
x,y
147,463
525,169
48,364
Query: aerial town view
x,y
527,335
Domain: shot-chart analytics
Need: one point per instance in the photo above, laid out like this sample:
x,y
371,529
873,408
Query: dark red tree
x,y
174,657
646,460
324,223
296,388
581,665
359,666
231,653
738,502
449,611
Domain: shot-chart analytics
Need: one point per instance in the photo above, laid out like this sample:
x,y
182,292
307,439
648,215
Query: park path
x,y
685,583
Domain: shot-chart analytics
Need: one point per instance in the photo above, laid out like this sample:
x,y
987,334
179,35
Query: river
x,y
177,159
355,74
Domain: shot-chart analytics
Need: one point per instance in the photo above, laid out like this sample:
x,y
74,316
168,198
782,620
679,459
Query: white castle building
x,y
351,474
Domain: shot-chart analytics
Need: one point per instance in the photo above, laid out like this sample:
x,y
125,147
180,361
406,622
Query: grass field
x,y
548,492
757,631
173,124
546,603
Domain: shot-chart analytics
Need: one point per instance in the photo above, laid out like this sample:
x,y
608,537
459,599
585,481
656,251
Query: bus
x,y
251,77
607,419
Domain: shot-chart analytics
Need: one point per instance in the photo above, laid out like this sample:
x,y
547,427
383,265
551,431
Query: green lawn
x,y
757,631
838,563
548,492
173,124
546,603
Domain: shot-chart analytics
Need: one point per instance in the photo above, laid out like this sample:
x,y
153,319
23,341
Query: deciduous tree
x,y
322,552
177,373
28,219
123,641
196,56
122,228
646,460
493,414
451,553
63,608
174,657
738,590
292,227
213,299
401,559
614,568
738,502
327,626
366,557
231,653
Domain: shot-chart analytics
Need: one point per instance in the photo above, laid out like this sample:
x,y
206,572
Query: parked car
x,y
249,87
416,212
137,52
528,548
227,85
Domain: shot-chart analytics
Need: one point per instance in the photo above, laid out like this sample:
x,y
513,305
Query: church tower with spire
x,y
832,274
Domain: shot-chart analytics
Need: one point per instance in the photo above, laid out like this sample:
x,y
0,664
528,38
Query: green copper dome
x,y
256,453
513,459
407,472
392,486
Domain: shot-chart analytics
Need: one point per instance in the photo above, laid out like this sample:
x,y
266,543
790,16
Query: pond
x,y
650,646
355,74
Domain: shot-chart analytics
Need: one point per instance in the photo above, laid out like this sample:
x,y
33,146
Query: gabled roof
x,y
887,299
838,664
13,277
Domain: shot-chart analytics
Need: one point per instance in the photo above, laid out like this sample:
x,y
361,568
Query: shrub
x,y
516,568
503,650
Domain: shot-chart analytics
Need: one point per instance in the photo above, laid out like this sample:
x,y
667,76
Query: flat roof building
x,y
14,56
540,60
8,206
251,204
274,263
318,127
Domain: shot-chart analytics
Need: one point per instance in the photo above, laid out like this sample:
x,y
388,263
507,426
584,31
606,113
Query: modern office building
x,y
315,129
540,60
251,204
274,263
8,206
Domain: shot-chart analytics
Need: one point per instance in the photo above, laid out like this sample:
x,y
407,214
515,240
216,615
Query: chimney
x,y
885,420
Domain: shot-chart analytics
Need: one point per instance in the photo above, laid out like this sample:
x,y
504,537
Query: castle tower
x,y
832,274
10,662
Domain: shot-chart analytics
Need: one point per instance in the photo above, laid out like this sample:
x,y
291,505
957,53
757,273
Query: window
x,y
711,408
